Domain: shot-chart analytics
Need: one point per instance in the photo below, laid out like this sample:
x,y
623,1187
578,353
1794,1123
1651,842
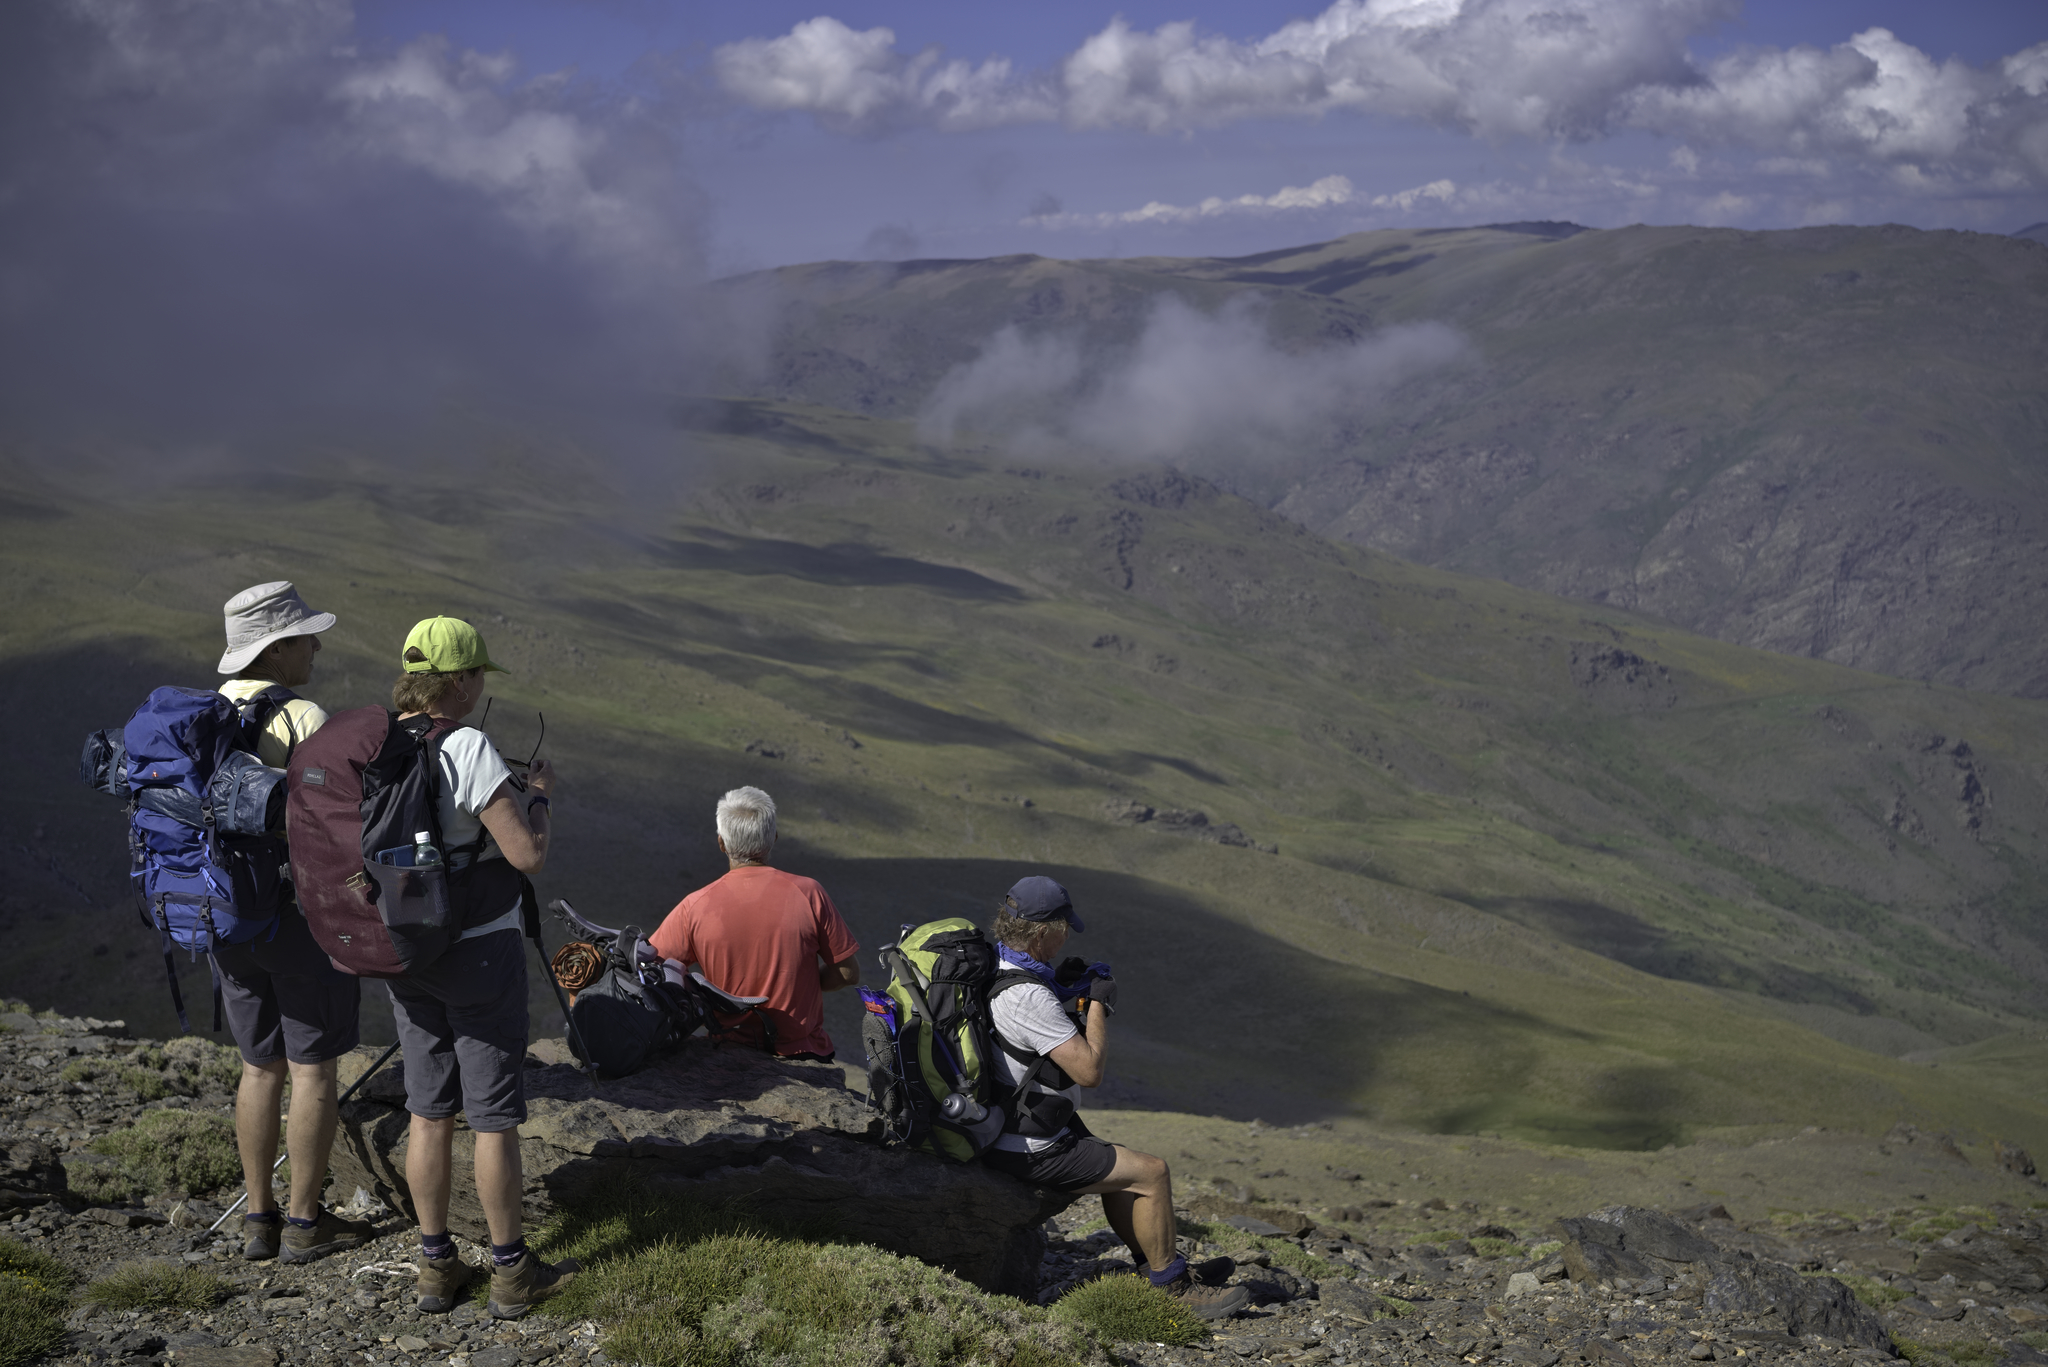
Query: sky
x,y
217,212
889,129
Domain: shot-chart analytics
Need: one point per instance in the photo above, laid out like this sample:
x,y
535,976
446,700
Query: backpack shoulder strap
x,y
256,711
432,737
1001,983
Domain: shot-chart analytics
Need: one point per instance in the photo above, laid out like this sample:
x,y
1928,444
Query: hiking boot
x,y
259,1237
441,1282
1213,1271
1208,1302
516,1288
328,1233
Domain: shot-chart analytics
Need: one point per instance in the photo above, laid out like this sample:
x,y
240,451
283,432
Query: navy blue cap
x,y
1038,898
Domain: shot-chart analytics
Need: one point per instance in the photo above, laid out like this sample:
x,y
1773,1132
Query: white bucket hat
x,y
266,613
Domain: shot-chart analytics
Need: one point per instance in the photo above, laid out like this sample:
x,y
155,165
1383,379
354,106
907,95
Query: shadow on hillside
x,y
841,565
1617,935
1219,1019
774,662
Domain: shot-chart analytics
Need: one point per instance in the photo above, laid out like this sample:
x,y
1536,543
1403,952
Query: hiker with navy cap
x,y
291,1012
1047,1143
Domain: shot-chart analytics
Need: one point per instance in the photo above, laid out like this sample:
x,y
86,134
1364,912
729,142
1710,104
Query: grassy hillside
x,y
1530,868
1826,442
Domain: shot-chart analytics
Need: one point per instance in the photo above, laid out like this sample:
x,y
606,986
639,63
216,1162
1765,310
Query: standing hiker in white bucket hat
x,y
292,1013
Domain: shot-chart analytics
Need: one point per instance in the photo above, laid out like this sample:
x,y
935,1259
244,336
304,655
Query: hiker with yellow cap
x,y
462,1018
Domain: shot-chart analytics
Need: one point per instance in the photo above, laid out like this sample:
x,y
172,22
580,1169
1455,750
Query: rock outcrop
x,y
1630,1244
783,1139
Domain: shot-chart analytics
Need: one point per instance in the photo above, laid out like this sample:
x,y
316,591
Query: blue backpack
x,y
202,813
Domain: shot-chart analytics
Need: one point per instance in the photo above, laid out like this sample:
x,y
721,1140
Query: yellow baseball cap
x,y
446,645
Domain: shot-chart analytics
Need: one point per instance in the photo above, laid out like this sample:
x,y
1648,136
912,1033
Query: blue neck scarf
x,y
1017,958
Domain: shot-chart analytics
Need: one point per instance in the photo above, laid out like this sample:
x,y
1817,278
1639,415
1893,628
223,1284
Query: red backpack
x,y
359,791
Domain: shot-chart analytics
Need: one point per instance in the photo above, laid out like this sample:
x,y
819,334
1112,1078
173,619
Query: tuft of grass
x,y
168,1152
1869,1290
1286,1253
1130,1310
1395,1307
678,1284
2034,1339
1538,1252
1496,1248
157,1286
34,1298
84,1070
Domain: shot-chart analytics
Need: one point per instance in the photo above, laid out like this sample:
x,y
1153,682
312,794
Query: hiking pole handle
x,y
339,1101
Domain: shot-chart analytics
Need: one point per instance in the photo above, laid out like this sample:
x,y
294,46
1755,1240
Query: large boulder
x,y
783,1139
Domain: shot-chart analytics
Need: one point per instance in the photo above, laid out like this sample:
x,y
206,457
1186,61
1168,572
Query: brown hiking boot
x,y
259,1237
441,1282
1208,1302
515,1289
328,1233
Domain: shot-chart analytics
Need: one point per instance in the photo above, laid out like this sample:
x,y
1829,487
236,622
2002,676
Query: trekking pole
x,y
529,905
339,1101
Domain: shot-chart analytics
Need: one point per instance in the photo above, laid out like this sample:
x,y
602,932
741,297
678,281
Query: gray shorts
x,y
1075,1160
462,1022
283,998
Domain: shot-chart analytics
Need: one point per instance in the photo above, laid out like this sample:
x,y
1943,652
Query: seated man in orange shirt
x,y
760,932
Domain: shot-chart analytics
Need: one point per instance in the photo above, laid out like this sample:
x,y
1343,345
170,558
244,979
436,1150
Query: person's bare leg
x,y
256,1103
498,1184
309,1134
429,1158
1147,1184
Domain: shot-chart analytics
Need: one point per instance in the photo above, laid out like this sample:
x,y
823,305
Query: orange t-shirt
x,y
759,932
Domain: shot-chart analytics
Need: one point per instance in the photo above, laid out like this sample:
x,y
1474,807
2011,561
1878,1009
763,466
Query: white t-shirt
x,y
472,771
1029,1017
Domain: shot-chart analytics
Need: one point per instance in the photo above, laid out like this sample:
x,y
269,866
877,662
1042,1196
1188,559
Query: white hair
x,y
746,823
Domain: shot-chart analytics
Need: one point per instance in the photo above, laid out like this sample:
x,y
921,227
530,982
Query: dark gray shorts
x,y
1076,1159
284,1000
463,1024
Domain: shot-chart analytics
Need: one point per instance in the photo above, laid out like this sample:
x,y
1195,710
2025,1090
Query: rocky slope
x,y
1426,1279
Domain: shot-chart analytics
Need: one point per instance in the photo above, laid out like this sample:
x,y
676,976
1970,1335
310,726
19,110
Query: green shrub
x,y
1130,1309
84,1070
34,1298
157,1286
1973,1353
1914,1351
2034,1339
1496,1248
167,1152
677,1284
1395,1307
1543,1250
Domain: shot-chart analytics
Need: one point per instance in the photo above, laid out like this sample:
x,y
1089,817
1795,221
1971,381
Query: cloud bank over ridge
x,y
1193,384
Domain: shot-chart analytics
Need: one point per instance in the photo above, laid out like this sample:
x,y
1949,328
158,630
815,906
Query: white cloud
x,y
1499,69
1192,383
1328,193
857,78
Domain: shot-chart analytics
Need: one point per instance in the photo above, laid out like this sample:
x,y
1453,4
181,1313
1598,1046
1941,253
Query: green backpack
x,y
929,1041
